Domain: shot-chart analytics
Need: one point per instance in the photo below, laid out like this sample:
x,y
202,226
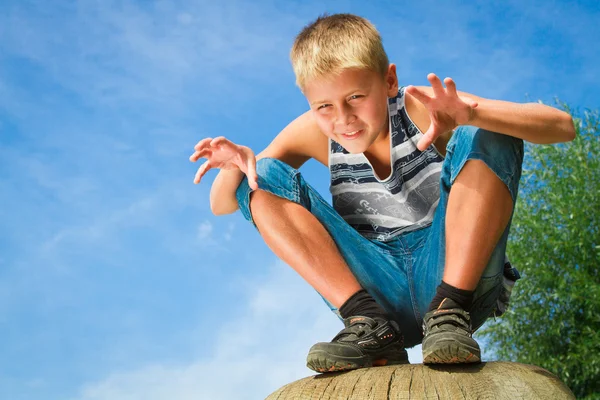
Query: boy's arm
x,y
533,122
442,109
298,142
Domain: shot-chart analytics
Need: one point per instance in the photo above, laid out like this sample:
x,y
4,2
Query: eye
x,y
323,106
356,96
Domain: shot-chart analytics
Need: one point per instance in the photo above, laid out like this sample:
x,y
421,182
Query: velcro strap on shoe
x,y
454,316
356,327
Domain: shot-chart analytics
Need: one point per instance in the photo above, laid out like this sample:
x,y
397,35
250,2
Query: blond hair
x,y
334,43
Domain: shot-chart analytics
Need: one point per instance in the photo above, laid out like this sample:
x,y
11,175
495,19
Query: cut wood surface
x,y
492,380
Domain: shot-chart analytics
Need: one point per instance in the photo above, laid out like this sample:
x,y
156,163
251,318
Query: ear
x,y
391,81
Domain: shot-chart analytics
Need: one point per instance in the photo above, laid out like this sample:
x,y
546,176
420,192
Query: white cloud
x,y
115,53
229,234
252,355
104,226
212,235
205,230
103,96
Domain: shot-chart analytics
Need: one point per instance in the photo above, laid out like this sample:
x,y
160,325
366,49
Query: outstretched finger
x,y
424,143
202,153
223,143
450,86
426,140
418,94
202,144
218,141
201,171
436,84
252,176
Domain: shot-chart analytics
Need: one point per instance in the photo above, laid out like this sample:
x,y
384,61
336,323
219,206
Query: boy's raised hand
x,y
224,154
446,109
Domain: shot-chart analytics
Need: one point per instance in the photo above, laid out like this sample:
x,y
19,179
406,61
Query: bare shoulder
x,y
298,142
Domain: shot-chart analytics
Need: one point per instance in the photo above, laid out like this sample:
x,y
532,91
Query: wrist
x,y
474,116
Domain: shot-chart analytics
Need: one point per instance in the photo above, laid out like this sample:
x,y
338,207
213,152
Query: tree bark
x,y
492,380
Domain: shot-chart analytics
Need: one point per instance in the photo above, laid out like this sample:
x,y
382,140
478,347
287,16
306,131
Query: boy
x,y
413,248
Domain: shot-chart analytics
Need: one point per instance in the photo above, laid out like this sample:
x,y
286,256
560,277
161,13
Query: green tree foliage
x,y
554,317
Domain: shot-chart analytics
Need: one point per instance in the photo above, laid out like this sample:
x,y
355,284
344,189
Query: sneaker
x,y
364,342
448,336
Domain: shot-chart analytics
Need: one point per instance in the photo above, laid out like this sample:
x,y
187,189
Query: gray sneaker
x,y
364,342
448,336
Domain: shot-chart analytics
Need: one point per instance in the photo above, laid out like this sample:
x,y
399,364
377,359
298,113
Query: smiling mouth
x,y
351,135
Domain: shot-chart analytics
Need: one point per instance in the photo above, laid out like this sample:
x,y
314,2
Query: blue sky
x,y
116,281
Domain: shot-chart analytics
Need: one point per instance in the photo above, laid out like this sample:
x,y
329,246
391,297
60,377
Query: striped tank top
x,y
406,200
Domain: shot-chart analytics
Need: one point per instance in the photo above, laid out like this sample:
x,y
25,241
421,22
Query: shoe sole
x,y
451,352
321,361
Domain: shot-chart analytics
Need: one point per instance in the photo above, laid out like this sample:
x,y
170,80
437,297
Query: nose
x,y
345,116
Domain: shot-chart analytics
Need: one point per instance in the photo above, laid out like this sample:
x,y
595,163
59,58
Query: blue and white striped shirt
x,y
404,201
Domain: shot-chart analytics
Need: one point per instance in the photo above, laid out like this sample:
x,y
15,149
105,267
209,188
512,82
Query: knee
x,y
277,177
272,174
274,177
504,147
503,151
259,198
272,169
503,154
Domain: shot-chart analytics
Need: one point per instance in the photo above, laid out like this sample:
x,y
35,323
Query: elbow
x,y
216,206
569,127
215,209
219,208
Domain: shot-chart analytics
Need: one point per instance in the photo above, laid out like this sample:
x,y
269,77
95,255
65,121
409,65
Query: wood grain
x,y
492,380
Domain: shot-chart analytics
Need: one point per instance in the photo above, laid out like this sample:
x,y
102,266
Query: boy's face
x,y
352,107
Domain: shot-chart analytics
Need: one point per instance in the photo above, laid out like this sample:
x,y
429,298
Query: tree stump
x,y
492,380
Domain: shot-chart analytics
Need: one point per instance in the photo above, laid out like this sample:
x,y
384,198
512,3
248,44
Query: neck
x,y
380,148
378,155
